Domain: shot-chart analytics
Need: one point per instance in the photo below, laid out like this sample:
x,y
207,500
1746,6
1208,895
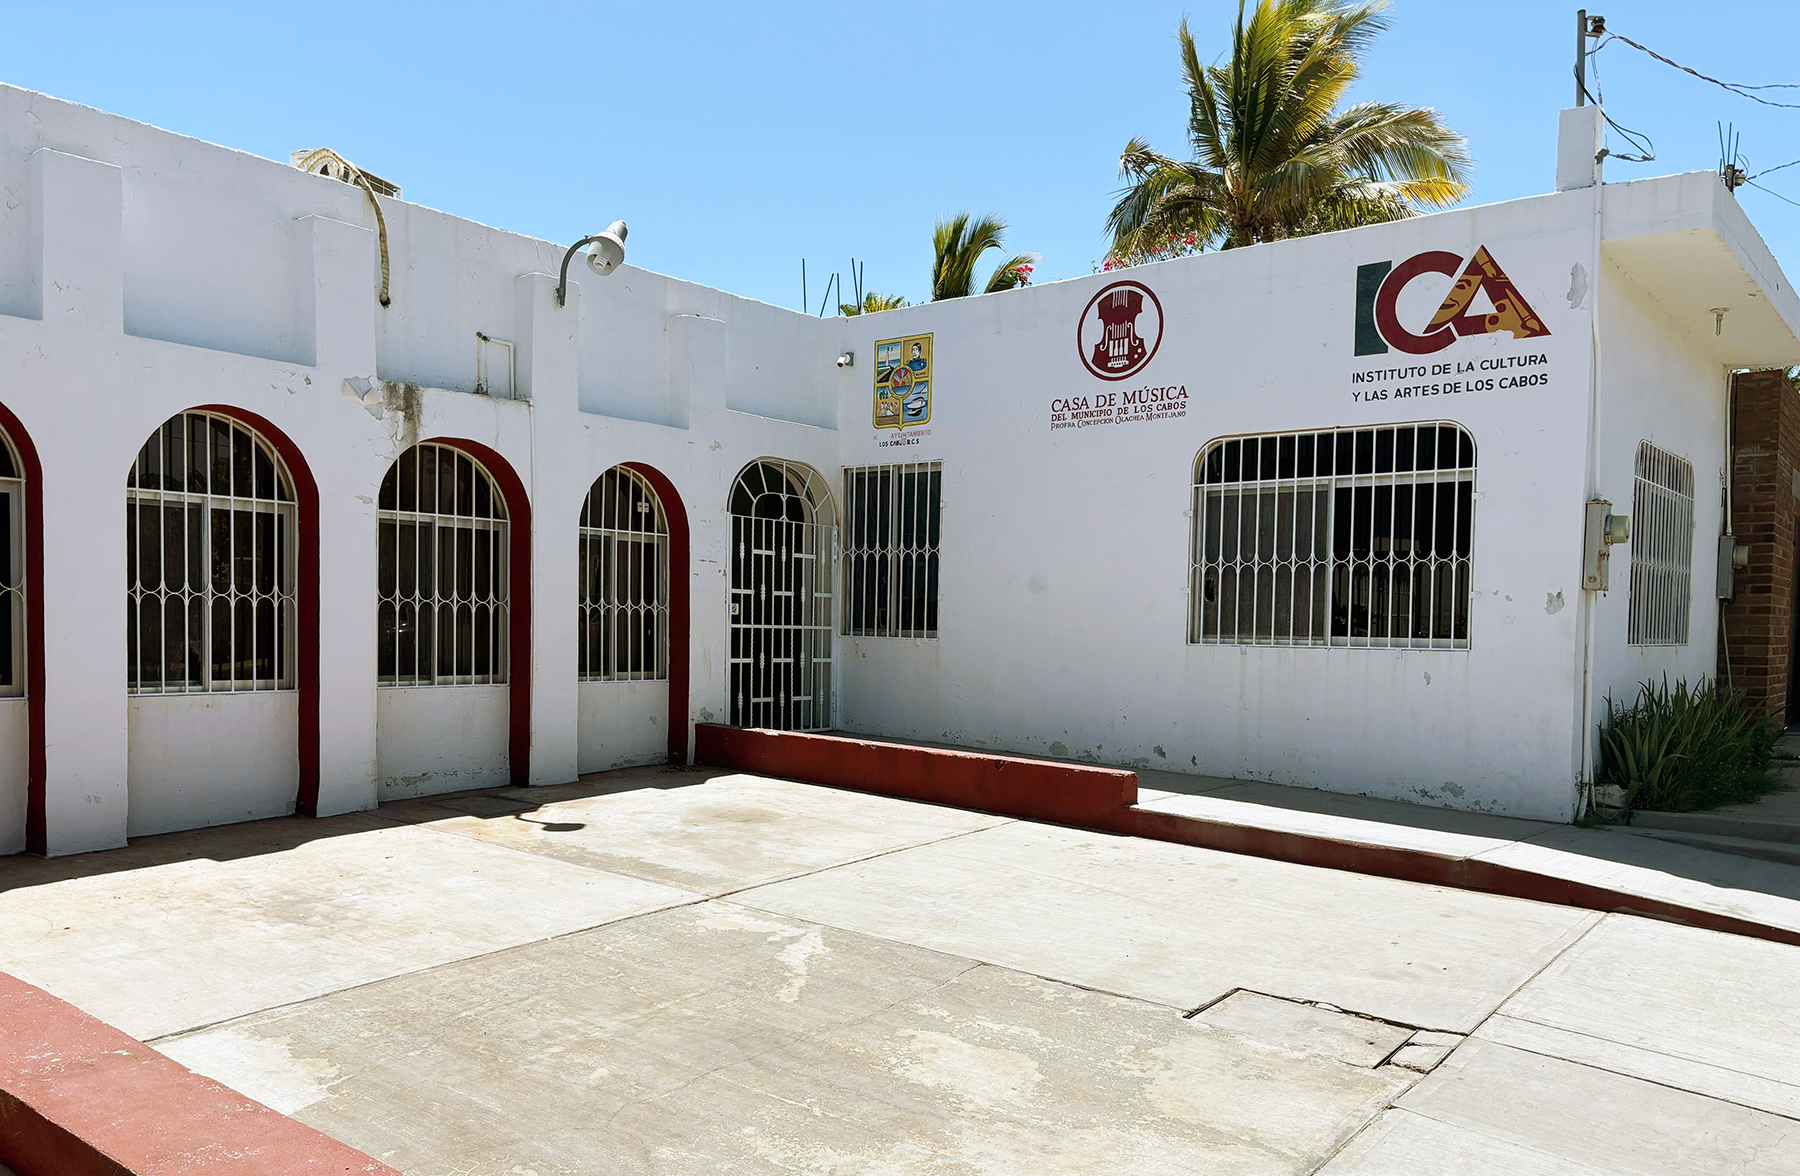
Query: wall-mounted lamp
x,y
848,359
607,254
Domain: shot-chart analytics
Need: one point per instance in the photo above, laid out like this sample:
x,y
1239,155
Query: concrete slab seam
x,y
1760,1110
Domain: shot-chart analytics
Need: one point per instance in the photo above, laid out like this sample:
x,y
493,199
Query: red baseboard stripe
x,y
80,1098
1068,794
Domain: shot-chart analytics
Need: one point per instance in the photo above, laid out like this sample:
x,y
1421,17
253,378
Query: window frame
x,y
1661,599
883,552
194,498
485,515
601,612
1333,467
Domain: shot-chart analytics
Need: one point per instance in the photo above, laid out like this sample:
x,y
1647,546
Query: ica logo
x,y
1378,287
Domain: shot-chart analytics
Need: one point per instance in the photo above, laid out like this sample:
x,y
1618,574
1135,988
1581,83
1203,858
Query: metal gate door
x,y
783,542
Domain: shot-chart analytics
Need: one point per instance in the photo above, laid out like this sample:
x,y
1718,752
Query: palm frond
x,y
1274,151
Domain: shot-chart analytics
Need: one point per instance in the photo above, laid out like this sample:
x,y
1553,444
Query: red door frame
x,y
36,764
675,511
518,600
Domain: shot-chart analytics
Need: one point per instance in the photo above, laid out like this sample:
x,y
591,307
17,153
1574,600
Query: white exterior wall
x,y
1063,612
210,759
623,724
142,274
1660,387
432,739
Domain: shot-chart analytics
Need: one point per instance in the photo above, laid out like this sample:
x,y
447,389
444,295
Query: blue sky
x,y
738,138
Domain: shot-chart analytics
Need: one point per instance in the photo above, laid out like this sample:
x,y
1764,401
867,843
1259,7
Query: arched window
x,y
624,580
442,571
1355,537
210,521
12,570
783,540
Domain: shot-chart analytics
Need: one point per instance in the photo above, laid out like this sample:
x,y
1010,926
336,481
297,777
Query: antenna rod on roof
x,y
802,285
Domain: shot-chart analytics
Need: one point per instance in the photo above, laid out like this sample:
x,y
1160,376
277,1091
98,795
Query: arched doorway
x,y
783,547
221,624
453,626
624,651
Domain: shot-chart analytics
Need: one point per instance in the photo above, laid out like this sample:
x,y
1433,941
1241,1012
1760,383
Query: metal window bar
x,y
1662,548
12,571
892,529
624,608
210,535
783,550
1354,537
442,572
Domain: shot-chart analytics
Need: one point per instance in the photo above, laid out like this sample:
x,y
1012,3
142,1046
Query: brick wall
x,y
1758,622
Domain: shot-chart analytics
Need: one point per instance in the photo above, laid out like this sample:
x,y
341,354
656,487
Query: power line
x,y
1741,89
1772,192
1765,171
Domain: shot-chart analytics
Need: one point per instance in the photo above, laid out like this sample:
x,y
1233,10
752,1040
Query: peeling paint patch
x,y
1059,748
1578,286
1553,603
1160,753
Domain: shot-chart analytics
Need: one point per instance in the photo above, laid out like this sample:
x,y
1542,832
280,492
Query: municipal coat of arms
x,y
902,382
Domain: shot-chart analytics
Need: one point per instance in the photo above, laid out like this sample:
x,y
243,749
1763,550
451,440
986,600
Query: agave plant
x,y
1684,747
957,245
1274,155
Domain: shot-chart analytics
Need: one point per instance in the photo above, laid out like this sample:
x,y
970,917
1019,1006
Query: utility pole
x,y
1584,28
1581,57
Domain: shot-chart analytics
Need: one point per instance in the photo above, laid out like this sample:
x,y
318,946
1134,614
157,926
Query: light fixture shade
x,y
606,252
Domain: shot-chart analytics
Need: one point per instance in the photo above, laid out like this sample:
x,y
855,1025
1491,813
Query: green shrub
x,y
1679,749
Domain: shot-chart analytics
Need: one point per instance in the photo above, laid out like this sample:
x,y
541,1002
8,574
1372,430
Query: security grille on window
x,y
209,545
624,621
1662,548
891,532
1351,537
442,572
12,572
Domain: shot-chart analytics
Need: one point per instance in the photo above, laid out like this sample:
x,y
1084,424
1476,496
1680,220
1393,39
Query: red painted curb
x,y
1068,794
80,1098
1102,799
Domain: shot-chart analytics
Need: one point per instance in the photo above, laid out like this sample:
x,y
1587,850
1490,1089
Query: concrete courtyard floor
x,y
689,971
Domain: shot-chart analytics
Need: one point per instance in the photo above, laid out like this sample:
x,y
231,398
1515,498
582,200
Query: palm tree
x,y
1273,154
871,303
958,245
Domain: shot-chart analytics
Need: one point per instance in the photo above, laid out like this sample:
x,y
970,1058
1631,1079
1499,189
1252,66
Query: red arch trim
x,y
37,768
306,618
676,512
518,538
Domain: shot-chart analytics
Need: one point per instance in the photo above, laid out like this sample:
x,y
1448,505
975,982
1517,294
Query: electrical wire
x,y
1741,89
1765,171
1772,192
1646,148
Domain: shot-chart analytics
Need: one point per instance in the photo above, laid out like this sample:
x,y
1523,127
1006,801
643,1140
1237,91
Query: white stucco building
x,y
1311,512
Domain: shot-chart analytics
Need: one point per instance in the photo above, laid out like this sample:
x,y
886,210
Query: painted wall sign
x,y
1378,286
902,382
1120,330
